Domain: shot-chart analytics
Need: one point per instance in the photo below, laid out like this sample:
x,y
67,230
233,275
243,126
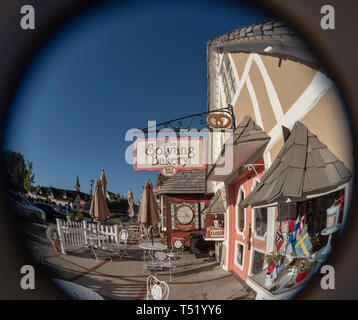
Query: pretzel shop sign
x,y
169,155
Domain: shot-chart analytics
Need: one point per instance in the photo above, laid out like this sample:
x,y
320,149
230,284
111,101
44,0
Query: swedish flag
x,y
303,244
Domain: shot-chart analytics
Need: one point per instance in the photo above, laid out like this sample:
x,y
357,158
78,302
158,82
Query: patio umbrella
x,y
104,183
148,210
99,210
130,203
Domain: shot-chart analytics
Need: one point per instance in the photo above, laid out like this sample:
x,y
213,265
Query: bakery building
x,y
182,198
291,152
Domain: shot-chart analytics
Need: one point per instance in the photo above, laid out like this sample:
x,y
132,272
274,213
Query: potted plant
x,y
316,242
303,266
271,260
52,235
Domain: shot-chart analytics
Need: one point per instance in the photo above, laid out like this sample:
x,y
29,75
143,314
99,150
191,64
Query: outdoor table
x,y
152,247
75,291
95,238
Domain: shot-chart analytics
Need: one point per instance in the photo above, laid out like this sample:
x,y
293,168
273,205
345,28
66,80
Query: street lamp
x,y
91,183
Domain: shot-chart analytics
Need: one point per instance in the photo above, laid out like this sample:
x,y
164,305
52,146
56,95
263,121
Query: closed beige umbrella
x,y
148,210
99,210
130,203
104,183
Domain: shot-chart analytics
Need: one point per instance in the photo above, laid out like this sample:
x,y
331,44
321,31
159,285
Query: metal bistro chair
x,y
119,248
178,245
161,260
156,289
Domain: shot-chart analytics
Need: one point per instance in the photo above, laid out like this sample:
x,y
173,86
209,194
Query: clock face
x,y
185,214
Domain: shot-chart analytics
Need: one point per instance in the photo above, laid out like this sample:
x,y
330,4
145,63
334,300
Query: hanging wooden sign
x,y
169,155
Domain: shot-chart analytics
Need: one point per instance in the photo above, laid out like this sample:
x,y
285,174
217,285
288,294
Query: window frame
x,y
237,211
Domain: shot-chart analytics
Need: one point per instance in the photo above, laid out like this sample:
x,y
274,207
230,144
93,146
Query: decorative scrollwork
x,y
251,166
217,119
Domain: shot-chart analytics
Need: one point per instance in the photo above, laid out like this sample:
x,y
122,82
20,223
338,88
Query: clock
x,y
185,214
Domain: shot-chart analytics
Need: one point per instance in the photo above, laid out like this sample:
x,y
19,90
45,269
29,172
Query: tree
x,y
118,203
29,177
18,174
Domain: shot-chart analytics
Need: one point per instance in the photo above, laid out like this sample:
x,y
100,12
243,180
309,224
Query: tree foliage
x,y
18,173
118,203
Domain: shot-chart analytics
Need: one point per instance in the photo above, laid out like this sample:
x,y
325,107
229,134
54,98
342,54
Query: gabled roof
x,y
216,204
185,181
304,166
247,131
61,194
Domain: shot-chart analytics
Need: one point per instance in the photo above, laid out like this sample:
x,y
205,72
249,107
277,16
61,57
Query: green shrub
x,y
51,232
133,221
79,216
71,216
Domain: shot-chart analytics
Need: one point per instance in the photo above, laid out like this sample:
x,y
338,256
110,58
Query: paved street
x,y
194,277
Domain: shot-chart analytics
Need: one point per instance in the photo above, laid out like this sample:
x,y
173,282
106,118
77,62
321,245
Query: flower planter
x,y
270,268
301,276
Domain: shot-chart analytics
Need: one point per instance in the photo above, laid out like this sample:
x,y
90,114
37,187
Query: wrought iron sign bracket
x,y
251,166
219,119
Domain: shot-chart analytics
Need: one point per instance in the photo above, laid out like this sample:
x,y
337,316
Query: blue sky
x,y
113,69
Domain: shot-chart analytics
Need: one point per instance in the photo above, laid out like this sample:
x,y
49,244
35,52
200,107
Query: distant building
x,y
63,196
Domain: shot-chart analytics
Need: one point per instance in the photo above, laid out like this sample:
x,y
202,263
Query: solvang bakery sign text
x,y
169,154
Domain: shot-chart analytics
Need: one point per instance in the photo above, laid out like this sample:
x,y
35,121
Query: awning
x,y
303,167
249,143
216,205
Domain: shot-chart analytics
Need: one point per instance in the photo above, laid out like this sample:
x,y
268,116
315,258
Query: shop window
x,y
315,212
239,254
258,262
240,211
261,221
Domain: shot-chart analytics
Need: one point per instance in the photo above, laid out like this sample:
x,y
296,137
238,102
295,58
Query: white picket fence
x,y
74,234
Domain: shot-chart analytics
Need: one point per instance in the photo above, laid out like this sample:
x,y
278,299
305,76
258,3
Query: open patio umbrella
x,y
130,203
148,210
104,183
99,210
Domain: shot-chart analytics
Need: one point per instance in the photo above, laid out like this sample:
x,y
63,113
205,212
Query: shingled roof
x,y
185,181
216,204
247,131
304,166
257,31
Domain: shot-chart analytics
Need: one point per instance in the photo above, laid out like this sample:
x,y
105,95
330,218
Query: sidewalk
x,y
194,278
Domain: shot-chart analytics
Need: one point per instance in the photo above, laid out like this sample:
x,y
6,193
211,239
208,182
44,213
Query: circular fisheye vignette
x,y
309,75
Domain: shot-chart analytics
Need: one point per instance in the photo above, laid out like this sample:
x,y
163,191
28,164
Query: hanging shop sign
x,y
219,121
215,233
169,155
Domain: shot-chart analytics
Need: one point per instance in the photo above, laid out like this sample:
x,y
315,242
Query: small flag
x,y
279,239
302,224
295,233
303,245
274,273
